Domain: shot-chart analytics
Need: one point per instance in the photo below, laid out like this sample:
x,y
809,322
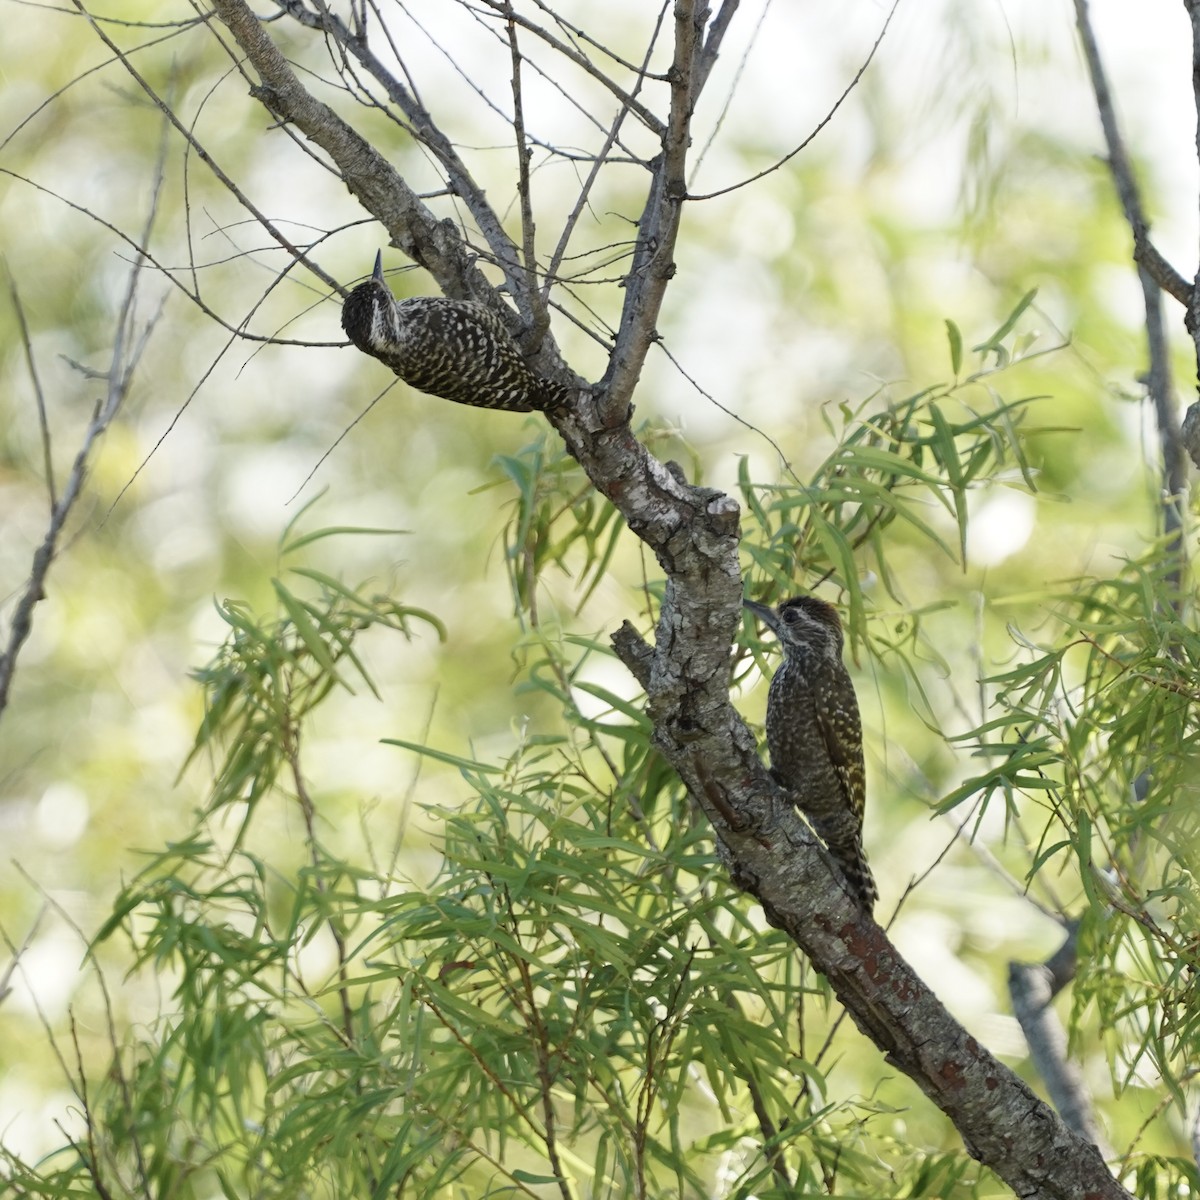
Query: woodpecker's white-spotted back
x,y
456,349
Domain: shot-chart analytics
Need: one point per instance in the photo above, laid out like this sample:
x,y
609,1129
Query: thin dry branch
x,y
128,346
1032,987
1190,431
433,244
422,126
837,104
628,99
16,953
714,40
539,317
653,259
598,163
1144,251
1154,273
38,395
226,180
148,258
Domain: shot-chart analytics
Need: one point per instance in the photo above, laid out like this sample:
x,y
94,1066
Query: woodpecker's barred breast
x,y
814,733
456,349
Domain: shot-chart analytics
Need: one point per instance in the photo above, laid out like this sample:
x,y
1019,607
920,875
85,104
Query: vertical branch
x,y
717,29
653,260
1145,252
1032,987
126,354
271,65
1174,467
38,394
532,300
1191,424
627,105
1152,279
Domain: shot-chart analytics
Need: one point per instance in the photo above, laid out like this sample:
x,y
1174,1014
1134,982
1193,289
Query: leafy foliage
x,y
575,999
576,994
570,999
1094,753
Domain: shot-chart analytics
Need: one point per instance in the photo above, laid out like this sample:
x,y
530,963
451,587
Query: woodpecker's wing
x,y
841,730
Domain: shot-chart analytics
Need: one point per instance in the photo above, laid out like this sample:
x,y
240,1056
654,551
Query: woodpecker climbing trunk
x,y
814,732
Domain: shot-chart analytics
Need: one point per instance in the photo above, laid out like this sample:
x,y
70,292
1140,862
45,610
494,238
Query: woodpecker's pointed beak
x,y
377,274
767,616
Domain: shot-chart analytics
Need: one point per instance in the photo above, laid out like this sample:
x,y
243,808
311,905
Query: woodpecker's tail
x,y
858,876
550,395
845,844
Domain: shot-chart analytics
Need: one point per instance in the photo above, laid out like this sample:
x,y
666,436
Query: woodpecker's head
x,y
803,625
369,313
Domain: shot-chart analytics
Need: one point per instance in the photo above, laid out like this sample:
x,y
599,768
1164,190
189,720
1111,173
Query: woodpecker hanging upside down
x,y
456,349
814,733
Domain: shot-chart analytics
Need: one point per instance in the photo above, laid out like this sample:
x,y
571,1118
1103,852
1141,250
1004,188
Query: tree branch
x,y
128,345
629,101
653,257
370,177
1145,253
535,307
1032,986
1191,421
425,130
694,534
414,230
1153,270
585,190
712,43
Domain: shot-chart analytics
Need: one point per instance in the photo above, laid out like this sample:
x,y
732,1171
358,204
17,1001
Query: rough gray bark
x,y
694,535
1032,987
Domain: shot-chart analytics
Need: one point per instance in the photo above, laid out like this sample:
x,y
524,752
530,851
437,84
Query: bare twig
x,y
653,259
628,99
1144,251
225,179
1191,421
176,28
17,952
601,158
837,104
126,354
414,229
540,317
1031,987
714,40
148,258
38,395
586,39
421,124
1170,439
747,51
1152,270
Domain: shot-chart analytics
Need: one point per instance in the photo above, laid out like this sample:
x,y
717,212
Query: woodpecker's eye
x,y
791,615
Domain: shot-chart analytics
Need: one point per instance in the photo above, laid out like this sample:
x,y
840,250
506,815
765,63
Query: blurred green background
x,y
960,174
